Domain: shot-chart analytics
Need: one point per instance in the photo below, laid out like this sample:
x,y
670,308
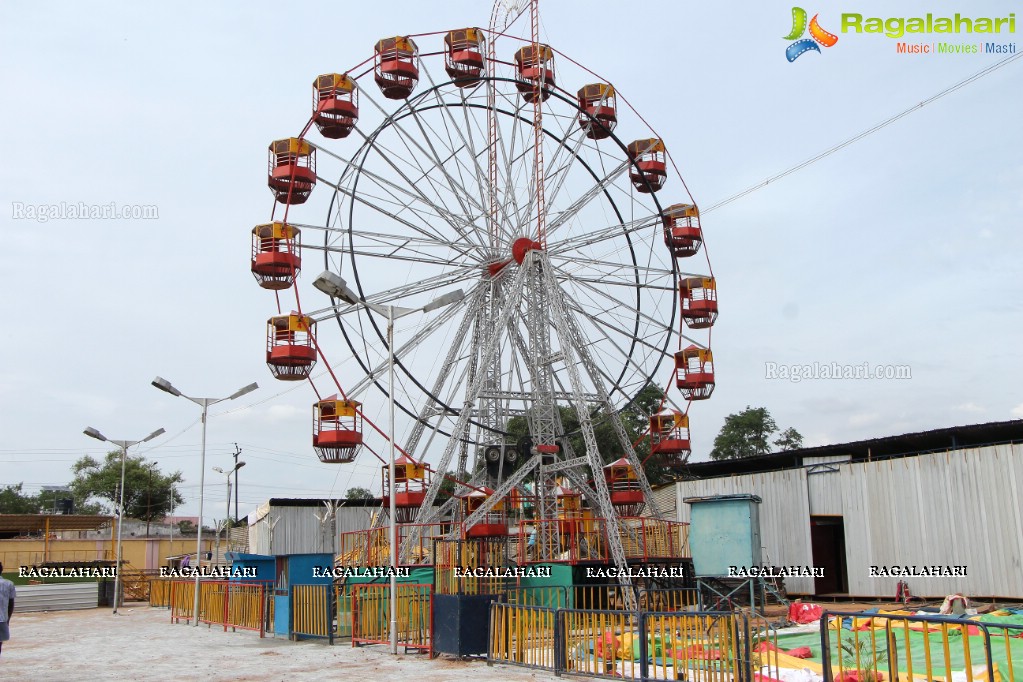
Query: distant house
x,y
944,506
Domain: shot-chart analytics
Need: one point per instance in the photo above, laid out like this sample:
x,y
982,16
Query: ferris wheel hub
x,y
522,246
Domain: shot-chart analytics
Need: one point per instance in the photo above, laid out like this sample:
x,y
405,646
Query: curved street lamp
x,y
204,403
124,445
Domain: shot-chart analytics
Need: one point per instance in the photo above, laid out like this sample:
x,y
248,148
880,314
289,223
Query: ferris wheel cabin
x,y
570,508
276,255
493,524
463,56
669,438
623,486
534,64
335,105
397,67
292,170
694,373
599,110
290,349
650,168
698,297
337,430
411,481
682,234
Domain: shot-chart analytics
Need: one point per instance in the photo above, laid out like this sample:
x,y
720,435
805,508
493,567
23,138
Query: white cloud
x,y
1017,411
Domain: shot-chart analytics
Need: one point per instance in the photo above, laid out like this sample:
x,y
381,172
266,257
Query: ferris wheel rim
x,y
409,108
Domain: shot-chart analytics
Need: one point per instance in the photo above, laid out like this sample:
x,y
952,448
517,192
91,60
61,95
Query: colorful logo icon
x,y
818,36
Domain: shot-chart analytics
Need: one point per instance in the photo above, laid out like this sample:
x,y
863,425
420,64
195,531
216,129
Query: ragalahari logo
x,y
817,35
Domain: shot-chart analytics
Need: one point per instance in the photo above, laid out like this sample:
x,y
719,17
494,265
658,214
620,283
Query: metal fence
x,y
312,613
892,647
230,604
705,646
371,615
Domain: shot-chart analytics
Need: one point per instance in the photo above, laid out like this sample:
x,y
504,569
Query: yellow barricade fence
x,y
159,592
891,647
522,635
371,615
231,604
599,643
694,646
343,604
182,600
311,613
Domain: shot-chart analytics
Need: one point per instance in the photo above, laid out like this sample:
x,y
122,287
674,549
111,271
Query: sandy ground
x,y
141,643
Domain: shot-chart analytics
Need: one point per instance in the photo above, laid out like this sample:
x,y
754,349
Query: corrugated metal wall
x,y
298,531
960,508
784,522
56,597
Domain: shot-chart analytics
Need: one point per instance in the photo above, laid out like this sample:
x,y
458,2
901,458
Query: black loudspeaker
x,y
461,623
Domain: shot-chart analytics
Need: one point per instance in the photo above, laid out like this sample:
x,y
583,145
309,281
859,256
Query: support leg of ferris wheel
x,y
569,347
427,514
576,340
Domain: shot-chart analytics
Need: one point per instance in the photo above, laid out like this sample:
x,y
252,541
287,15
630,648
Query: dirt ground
x,y
141,643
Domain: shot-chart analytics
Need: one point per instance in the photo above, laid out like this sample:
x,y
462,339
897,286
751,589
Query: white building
x,y
947,502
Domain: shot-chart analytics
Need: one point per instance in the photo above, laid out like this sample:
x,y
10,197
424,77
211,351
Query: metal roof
x,y
30,523
904,445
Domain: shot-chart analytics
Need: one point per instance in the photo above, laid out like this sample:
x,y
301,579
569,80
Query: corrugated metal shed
x,y
784,523
958,508
296,528
56,597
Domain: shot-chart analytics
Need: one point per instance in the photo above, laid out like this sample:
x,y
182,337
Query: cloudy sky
x,y
901,248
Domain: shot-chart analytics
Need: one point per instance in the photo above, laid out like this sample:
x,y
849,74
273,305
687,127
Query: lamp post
x,y
124,445
333,285
204,403
227,515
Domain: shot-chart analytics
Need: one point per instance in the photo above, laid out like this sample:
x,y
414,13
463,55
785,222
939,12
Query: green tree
x,y
789,439
634,417
748,434
147,490
358,493
14,501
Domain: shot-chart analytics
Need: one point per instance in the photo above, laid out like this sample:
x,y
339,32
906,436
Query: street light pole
x,y
204,403
124,445
333,285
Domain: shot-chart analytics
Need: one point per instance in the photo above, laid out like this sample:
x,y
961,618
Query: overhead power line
x,y
869,131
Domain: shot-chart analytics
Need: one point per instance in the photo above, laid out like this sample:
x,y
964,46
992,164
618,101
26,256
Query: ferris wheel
x,y
539,230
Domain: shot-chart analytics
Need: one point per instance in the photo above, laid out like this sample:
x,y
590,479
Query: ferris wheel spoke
x,y
616,304
610,232
411,158
606,266
407,204
402,352
559,219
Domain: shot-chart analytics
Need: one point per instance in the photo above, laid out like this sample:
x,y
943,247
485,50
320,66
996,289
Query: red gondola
x,y
335,105
463,56
599,110
494,522
623,486
292,170
533,66
276,255
337,430
682,234
669,438
698,297
411,481
290,349
397,67
694,373
650,168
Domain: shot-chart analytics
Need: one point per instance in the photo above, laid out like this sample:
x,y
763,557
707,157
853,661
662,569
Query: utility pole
x,y
237,451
